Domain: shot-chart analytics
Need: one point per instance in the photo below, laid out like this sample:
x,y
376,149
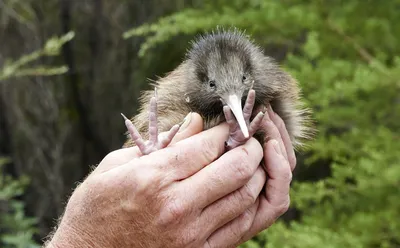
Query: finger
x,y
280,124
227,174
279,173
276,200
272,131
232,233
231,206
125,155
192,125
184,158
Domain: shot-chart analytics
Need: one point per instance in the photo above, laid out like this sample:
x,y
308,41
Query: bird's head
x,y
222,69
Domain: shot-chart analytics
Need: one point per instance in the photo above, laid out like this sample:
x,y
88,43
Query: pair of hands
x,y
190,194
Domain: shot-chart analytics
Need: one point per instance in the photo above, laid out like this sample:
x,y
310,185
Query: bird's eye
x,y
211,83
244,78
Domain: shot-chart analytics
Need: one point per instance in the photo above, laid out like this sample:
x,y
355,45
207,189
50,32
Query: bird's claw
x,y
236,137
155,142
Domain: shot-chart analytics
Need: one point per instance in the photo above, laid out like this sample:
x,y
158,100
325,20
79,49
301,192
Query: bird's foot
x,y
155,142
236,136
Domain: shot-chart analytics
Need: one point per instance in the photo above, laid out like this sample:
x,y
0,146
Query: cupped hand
x,y
190,194
279,162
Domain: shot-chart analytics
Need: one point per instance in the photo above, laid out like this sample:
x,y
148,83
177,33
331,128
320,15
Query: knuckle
x,y
173,213
145,183
247,196
236,231
246,222
241,226
112,156
284,173
287,175
284,207
242,169
190,238
209,149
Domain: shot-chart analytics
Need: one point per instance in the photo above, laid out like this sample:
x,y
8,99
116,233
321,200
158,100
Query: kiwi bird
x,y
222,71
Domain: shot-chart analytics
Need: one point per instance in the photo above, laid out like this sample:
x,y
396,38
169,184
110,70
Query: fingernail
x,y
186,122
276,146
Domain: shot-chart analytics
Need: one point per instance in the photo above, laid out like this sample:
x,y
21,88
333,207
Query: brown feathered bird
x,y
222,68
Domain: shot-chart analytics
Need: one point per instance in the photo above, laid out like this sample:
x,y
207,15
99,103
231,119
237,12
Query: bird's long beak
x,y
235,104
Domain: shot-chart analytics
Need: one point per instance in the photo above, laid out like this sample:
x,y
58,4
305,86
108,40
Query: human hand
x,y
131,201
279,162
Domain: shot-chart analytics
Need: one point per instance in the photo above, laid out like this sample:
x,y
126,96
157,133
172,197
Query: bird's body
x,y
219,68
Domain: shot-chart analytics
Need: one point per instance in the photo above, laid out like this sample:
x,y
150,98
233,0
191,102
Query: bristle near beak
x,y
235,104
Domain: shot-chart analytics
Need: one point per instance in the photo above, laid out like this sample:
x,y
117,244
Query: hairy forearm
x,y
67,237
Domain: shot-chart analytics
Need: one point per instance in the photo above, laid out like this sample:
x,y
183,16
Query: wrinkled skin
x,y
189,194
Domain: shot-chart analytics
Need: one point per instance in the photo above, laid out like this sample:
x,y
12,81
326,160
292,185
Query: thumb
x,y
192,125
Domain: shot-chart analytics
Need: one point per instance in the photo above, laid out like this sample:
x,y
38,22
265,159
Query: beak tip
x,y
233,101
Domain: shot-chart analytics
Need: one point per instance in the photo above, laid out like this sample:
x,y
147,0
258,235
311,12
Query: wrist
x,y
68,237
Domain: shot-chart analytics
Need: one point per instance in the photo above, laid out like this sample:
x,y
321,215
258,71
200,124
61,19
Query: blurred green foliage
x,y
51,48
345,55
17,229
